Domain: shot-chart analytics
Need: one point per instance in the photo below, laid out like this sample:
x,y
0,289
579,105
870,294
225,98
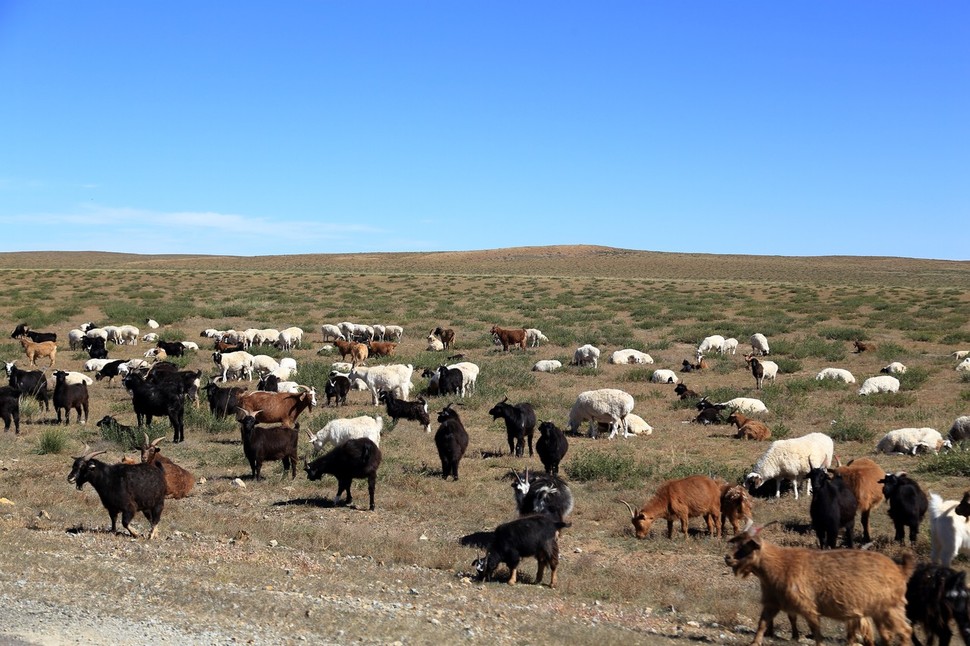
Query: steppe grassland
x,y
810,325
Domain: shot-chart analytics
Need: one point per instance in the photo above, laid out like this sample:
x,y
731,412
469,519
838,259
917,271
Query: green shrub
x,y
913,378
52,441
850,431
612,467
788,366
130,438
889,351
950,463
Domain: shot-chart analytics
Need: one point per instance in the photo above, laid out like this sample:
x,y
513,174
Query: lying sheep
x,y
960,430
964,366
604,405
546,365
880,384
434,344
792,460
894,368
664,376
960,355
911,441
746,405
838,374
630,356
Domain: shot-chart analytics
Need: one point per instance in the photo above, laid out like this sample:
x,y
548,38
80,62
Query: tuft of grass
x,y
889,351
844,430
842,333
52,441
611,467
913,378
29,407
951,463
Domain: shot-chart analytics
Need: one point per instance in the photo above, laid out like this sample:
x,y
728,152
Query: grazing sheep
x,y
894,368
681,500
630,356
713,342
664,376
949,531
398,409
74,338
838,374
749,429
331,332
357,458
604,405
533,336
34,351
864,477
759,344
907,504
792,460
546,365
729,345
586,355
960,430
911,441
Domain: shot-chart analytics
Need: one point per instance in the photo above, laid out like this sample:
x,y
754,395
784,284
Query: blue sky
x,y
250,128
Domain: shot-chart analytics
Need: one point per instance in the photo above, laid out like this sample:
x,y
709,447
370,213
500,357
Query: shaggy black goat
x,y
264,444
536,535
416,411
709,413
358,458
935,595
123,488
451,439
109,422
520,423
150,400
10,408
32,383
95,347
171,348
833,507
36,337
223,401
110,370
450,380
337,388
551,446
907,504
684,392
541,493
69,396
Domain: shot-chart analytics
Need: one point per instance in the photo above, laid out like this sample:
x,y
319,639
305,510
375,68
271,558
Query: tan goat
x,y
178,481
681,499
735,506
749,429
862,476
35,351
847,585
358,354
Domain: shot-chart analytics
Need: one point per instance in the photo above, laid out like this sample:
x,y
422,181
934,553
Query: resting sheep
x,y
838,374
879,384
964,366
434,344
894,368
792,460
546,365
608,405
630,356
960,430
664,376
912,441
747,405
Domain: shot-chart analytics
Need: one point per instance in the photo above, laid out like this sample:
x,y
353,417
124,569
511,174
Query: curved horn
x,y
633,513
155,442
310,436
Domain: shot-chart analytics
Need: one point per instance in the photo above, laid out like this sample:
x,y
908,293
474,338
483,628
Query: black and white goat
x,y
935,595
540,493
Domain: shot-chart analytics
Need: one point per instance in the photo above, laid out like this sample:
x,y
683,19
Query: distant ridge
x,y
560,260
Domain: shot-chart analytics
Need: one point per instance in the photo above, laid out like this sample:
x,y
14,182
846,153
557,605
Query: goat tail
x,y
908,563
481,540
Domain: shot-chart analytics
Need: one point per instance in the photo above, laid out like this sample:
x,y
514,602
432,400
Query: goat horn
x,y
515,473
147,442
309,435
633,513
155,442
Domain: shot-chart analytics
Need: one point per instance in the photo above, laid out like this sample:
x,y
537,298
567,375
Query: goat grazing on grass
x,y
681,500
536,535
359,458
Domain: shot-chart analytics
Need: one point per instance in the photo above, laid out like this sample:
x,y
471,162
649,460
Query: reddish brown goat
x,y
35,351
509,336
862,346
681,499
749,429
178,481
862,476
344,347
274,408
382,348
847,585
735,506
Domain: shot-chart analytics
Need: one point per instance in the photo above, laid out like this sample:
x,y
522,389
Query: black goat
x,y
757,370
450,381
150,400
416,411
357,458
833,507
31,383
709,413
520,423
541,493
268,383
94,345
536,535
110,370
37,337
935,595
687,366
907,504
337,388
451,439
551,446
186,382
10,408
69,396
223,401
109,422
123,488
684,392
264,444
171,348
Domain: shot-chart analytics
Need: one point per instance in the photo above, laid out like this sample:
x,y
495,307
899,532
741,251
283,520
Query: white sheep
x,y
113,333
746,405
713,342
264,364
546,365
189,345
759,344
879,384
608,405
281,373
435,344
238,363
792,460
95,365
469,376
949,531
729,345
770,369
347,329
960,430
586,355
331,332
338,431
630,356
964,366
128,334
838,374
912,441
379,331
289,338
895,368
267,336
533,336
152,324
664,376
289,363
394,332
96,333
150,337
637,425
395,378
135,364
74,338
73,378
211,333
341,366
249,336
960,354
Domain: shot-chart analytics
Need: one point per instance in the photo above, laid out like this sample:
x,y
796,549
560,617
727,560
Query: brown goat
x,y
681,499
178,481
847,585
358,353
862,346
38,350
749,429
735,506
446,335
509,336
382,348
274,408
862,476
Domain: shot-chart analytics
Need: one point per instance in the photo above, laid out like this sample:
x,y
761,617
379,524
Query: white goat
x,y
533,336
949,531
713,342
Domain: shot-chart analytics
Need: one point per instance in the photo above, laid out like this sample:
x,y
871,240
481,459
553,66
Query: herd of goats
x,y
873,594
